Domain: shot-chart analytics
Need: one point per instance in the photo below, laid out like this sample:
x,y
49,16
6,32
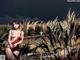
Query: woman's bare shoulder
x,y
10,30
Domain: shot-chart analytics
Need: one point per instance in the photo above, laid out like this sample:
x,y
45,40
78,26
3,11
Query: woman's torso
x,y
15,34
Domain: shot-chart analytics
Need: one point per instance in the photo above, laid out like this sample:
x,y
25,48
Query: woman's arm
x,y
22,37
9,37
14,39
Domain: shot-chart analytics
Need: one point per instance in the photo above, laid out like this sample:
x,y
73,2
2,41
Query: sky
x,y
37,8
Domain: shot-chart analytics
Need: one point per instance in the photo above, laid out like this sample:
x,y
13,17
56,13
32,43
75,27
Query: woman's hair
x,y
17,22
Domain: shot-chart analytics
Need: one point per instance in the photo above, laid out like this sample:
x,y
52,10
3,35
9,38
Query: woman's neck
x,y
17,29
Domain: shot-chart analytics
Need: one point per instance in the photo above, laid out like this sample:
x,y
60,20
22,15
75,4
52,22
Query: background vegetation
x,y
65,34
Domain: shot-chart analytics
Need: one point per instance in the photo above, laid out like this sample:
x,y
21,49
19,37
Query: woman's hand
x,y
11,46
15,45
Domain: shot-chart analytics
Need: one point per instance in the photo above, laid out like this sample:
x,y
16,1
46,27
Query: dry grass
x,y
61,30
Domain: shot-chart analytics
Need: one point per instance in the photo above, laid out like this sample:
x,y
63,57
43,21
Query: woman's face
x,y
15,25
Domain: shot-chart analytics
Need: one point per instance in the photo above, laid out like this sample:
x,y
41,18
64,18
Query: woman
x,y
15,38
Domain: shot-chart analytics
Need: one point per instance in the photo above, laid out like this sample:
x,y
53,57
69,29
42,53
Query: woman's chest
x,y
15,33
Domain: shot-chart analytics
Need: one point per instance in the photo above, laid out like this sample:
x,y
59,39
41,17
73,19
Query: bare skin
x,y
13,33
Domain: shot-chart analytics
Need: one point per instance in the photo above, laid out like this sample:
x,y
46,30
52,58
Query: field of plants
x,y
59,37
